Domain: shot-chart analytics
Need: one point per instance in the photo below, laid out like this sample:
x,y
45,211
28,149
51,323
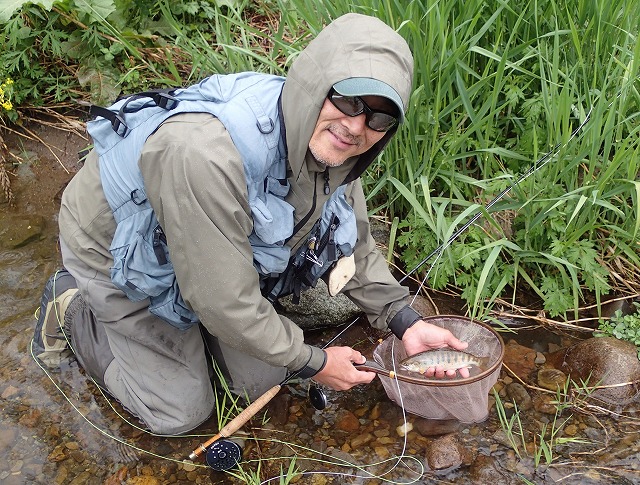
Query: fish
x,y
447,359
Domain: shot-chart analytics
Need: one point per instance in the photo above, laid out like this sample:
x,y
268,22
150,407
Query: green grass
x,y
496,86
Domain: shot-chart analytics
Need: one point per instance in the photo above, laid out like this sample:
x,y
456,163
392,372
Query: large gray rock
x,y
318,310
604,361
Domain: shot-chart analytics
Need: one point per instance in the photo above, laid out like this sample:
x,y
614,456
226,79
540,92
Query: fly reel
x,y
223,455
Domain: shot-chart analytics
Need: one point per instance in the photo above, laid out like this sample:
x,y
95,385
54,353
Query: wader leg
x,y
157,372
245,376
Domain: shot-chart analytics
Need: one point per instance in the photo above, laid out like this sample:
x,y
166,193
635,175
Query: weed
x,y
550,435
623,327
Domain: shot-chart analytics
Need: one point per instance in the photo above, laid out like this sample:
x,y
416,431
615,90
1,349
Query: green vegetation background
x,y
497,85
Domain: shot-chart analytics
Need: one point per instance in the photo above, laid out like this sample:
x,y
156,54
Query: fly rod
x,y
251,410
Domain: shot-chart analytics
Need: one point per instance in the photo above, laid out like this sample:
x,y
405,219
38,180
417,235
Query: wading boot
x,y
52,334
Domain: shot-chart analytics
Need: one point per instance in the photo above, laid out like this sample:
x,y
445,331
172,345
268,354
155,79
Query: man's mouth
x,y
344,138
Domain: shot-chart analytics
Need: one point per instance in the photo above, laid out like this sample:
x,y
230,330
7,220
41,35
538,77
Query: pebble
x,y
540,358
571,430
519,394
347,421
403,429
361,439
552,379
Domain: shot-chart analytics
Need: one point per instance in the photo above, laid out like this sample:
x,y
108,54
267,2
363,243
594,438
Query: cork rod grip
x,y
240,420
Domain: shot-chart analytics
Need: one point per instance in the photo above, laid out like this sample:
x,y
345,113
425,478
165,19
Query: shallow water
x,y
57,428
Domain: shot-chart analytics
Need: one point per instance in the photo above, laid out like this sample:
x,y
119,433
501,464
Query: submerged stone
x,y
609,364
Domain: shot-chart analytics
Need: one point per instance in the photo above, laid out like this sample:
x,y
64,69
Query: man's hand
x,y
423,336
339,373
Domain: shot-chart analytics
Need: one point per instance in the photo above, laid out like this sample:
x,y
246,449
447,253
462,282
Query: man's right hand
x,y
339,373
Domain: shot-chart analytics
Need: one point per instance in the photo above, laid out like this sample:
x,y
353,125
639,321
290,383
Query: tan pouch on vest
x,y
340,275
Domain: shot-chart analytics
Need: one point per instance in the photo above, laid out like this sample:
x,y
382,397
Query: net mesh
x,y
468,403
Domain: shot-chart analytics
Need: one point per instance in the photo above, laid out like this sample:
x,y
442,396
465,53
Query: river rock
x,y
603,361
521,360
347,421
520,396
485,469
436,427
18,230
317,309
279,409
545,403
446,453
552,379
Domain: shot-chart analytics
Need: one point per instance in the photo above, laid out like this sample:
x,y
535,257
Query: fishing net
x,y
464,399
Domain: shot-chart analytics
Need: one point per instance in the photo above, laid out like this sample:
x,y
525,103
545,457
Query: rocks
x,y
519,359
518,394
602,362
317,309
347,421
486,470
436,427
446,453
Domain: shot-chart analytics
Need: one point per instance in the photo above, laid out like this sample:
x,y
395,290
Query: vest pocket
x,y
171,308
136,258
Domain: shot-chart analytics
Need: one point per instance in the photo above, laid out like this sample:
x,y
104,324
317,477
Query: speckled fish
x,y
447,359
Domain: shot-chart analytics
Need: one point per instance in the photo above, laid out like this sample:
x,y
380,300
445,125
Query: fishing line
x,y
340,463
336,461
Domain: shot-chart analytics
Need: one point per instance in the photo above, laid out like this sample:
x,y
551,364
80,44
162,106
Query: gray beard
x,y
322,161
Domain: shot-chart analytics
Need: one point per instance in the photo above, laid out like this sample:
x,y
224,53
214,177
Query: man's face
x,y
338,137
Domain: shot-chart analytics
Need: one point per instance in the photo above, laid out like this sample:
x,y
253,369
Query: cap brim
x,y
366,86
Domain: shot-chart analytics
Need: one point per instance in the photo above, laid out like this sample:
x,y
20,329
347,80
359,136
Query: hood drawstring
x,y
327,189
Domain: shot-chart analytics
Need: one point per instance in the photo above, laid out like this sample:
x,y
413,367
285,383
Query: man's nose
x,y
355,124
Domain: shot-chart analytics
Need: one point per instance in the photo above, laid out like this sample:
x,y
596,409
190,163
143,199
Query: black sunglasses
x,y
355,105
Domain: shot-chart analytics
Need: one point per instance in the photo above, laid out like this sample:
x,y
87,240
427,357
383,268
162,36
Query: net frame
x,y
463,399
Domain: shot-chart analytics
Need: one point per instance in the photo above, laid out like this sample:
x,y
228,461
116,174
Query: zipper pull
x,y
327,189
331,250
158,235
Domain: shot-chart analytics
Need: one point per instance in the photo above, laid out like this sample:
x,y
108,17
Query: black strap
x,y
162,98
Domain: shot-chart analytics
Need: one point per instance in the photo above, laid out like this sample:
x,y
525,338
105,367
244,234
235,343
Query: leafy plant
x,y
6,94
550,435
623,327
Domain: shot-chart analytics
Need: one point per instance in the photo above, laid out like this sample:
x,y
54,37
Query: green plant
x,y
550,435
623,327
512,425
6,106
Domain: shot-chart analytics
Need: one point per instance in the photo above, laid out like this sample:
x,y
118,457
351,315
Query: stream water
x,y
57,428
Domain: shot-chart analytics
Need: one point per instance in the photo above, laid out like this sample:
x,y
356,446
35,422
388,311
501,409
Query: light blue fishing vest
x,y
247,105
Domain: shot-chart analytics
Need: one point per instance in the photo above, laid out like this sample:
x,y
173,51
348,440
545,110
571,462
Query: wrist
x,y
403,320
317,361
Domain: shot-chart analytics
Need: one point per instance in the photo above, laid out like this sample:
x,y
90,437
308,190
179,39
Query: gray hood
x,y
353,45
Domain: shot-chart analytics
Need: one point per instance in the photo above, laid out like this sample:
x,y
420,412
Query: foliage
x,y
496,86
623,327
550,436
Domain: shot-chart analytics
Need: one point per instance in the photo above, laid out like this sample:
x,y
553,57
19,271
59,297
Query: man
x,y
191,217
